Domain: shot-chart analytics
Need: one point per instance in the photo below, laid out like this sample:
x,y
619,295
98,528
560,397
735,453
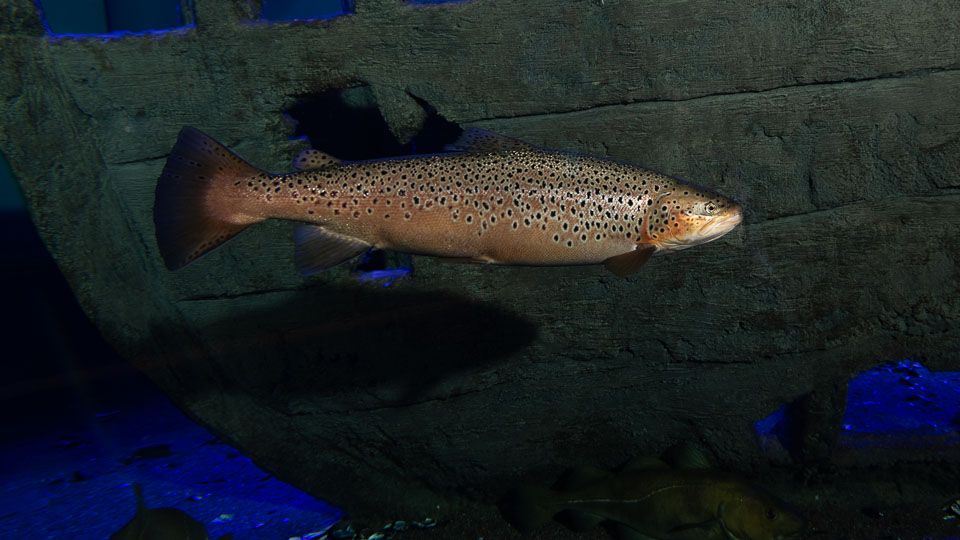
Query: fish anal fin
x,y
579,520
313,159
629,262
643,463
318,249
479,141
581,477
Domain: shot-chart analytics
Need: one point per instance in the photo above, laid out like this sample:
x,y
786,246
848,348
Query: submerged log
x,y
838,125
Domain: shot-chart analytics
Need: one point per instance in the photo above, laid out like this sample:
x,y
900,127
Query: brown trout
x,y
648,499
493,199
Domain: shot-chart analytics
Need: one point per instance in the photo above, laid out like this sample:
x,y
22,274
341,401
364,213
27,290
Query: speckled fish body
x,y
505,202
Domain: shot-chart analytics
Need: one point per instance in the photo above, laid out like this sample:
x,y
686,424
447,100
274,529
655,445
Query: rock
x,y
837,124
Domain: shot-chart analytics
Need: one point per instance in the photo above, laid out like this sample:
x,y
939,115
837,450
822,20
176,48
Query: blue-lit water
x,y
81,425
901,403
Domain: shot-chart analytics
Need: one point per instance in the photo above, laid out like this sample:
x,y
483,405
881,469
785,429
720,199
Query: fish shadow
x,y
396,345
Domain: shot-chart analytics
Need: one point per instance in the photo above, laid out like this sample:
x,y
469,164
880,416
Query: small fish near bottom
x,y
162,524
648,499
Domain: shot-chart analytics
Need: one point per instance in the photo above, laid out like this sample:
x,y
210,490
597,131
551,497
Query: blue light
x,y
120,34
902,403
290,10
385,277
106,19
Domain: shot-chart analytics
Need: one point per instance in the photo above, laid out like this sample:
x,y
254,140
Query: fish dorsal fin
x,y
688,456
482,141
313,159
317,249
643,463
629,262
581,477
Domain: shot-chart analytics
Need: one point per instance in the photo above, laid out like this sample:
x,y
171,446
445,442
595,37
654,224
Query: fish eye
x,y
707,209
771,514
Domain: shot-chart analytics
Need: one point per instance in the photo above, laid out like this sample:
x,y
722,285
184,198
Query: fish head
x,y
689,215
756,515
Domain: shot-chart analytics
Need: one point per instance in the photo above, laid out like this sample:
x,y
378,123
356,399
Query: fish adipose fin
x,y
629,262
313,159
190,213
482,141
317,249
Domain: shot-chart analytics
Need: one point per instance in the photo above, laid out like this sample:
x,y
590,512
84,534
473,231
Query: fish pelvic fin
x,y
629,262
196,203
530,508
318,249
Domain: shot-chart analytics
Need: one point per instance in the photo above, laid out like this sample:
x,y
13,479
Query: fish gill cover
x,y
901,403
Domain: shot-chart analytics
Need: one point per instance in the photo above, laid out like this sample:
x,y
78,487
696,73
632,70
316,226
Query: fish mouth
x,y
715,228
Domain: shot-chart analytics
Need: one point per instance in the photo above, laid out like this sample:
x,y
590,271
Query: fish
x,y
488,199
648,499
162,524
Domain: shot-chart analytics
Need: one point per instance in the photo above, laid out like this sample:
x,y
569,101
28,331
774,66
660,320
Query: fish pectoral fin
x,y
318,249
480,141
313,159
629,262
723,526
579,520
581,477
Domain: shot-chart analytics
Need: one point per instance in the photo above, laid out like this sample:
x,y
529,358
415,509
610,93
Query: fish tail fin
x,y
529,508
197,204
